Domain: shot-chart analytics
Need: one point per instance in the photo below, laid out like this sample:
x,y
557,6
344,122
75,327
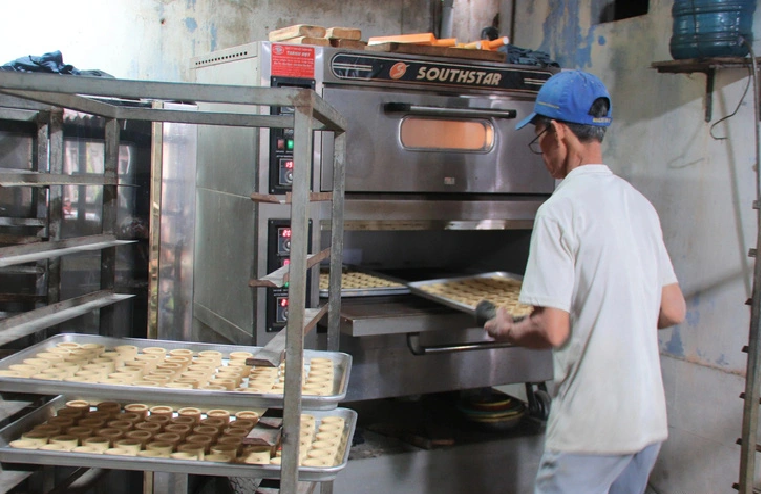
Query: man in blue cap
x,y
601,283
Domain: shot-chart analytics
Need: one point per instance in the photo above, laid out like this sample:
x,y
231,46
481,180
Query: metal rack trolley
x,y
311,113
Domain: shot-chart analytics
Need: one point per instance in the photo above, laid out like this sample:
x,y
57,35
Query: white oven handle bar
x,y
413,343
409,109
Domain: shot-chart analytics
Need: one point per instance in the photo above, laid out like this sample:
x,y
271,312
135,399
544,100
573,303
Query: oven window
x,y
434,134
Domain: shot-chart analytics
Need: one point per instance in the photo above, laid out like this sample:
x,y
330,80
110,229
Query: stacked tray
x,y
327,397
496,411
11,433
361,283
464,293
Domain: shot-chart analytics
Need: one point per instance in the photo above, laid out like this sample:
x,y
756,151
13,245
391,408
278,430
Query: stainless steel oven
x,y
438,184
416,142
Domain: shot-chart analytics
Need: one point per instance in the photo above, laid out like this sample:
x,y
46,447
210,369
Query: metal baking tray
x,y
341,364
416,287
370,292
13,431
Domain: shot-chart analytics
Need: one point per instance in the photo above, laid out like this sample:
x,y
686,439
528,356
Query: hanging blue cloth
x,y
525,56
50,63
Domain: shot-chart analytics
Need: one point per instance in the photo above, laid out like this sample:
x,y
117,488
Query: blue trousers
x,y
561,473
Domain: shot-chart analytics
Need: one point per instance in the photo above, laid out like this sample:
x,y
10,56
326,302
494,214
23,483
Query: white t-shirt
x,y
597,253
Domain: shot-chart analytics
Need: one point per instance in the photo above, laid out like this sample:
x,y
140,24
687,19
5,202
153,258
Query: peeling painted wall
x,y
155,39
702,189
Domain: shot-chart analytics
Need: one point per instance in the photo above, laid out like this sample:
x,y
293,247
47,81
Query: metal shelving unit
x,y
311,114
34,244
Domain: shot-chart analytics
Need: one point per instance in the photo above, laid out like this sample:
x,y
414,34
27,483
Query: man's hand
x,y
499,328
546,327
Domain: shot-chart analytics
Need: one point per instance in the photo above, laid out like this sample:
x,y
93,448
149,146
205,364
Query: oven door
x,y
419,142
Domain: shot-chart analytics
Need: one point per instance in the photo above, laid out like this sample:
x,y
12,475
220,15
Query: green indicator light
x,y
289,144
286,284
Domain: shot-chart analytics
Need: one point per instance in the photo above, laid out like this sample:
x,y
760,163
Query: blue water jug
x,y
711,28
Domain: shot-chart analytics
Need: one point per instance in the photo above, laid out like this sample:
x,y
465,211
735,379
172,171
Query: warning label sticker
x,y
292,61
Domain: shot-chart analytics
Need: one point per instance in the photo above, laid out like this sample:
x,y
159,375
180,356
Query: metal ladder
x,y
752,394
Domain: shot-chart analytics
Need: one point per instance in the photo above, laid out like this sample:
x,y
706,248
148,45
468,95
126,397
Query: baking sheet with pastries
x,y
324,442
356,283
138,369
501,289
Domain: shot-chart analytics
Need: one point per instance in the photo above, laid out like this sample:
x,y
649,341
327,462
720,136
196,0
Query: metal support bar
x,y
46,179
336,242
710,82
272,199
326,114
16,327
157,180
257,197
42,165
313,196
123,88
68,101
273,352
9,238
282,275
17,115
21,254
109,219
205,117
22,270
294,339
10,221
13,105
66,92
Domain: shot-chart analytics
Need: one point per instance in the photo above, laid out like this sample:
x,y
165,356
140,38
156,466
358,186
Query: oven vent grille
x,y
220,58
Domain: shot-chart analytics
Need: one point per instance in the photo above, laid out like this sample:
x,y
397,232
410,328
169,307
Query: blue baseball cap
x,y
568,97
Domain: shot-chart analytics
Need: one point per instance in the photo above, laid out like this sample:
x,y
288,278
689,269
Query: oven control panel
x,y
281,140
278,255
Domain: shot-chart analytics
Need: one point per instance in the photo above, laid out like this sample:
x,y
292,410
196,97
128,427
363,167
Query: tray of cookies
x,y
464,293
139,369
119,435
356,282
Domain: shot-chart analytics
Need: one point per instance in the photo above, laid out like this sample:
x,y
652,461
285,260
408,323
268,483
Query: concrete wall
x,y
471,16
155,39
702,189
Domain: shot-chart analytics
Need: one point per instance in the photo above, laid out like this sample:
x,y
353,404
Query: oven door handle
x,y
409,109
413,343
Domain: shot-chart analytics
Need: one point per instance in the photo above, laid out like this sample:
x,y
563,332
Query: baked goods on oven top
x,y
354,280
502,292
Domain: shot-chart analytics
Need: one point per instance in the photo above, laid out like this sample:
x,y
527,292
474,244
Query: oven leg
x,y
538,400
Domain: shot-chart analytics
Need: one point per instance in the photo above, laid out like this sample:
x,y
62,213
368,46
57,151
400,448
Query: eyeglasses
x,y
534,145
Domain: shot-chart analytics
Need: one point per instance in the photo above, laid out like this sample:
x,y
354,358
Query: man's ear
x,y
561,130
557,127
